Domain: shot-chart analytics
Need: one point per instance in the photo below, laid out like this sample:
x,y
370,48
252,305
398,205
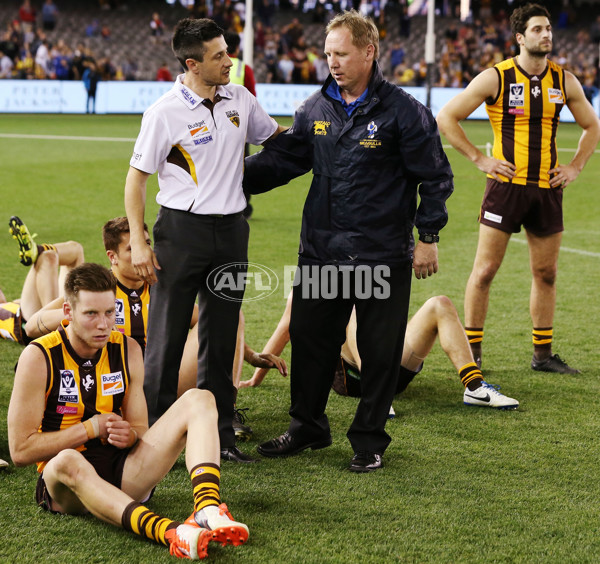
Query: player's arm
x,y
483,87
264,360
142,256
125,431
45,320
586,118
275,345
26,410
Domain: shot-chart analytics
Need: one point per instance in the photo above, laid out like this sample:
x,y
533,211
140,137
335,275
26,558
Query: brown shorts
x,y
508,206
108,461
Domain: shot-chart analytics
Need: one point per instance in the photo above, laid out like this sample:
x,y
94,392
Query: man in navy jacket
x,y
371,148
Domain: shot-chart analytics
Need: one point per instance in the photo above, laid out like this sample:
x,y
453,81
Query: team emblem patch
x,y
372,129
536,91
234,117
320,127
68,392
112,384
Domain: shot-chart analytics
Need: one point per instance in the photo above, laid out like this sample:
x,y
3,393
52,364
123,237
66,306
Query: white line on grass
x,y
65,137
565,249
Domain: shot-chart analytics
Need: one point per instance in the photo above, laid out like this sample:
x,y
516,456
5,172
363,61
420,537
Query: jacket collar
x,y
374,83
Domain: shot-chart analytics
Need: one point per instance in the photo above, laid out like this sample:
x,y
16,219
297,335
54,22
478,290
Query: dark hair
x,y
112,231
189,38
233,41
520,17
90,277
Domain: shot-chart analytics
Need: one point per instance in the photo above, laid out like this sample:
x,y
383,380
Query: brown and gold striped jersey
x,y
11,322
524,118
78,388
132,312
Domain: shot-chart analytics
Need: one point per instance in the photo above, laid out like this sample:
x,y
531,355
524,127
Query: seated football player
x,y
79,413
436,318
132,301
48,266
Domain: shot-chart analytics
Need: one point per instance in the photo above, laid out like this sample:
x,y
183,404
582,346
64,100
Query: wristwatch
x,y
429,237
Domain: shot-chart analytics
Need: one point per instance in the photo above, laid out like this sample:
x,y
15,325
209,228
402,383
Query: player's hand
x,y
495,167
144,262
268,360
425,259
119,431
562,175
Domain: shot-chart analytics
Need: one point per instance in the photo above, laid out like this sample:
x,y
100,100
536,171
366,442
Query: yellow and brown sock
x,y
470,376
475,336
143,522
542,342
206,480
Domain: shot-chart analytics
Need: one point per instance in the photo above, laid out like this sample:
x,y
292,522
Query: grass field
x,y
460,484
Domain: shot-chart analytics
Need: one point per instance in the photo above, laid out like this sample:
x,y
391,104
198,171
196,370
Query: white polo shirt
x,y
199,153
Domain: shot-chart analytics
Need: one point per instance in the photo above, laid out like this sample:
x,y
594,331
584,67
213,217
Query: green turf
x,y
460,484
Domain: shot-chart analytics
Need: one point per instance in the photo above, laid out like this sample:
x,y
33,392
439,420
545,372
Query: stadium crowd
x,y
285,51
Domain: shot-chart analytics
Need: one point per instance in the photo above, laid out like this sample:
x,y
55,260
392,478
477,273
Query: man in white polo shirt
x,y
194,137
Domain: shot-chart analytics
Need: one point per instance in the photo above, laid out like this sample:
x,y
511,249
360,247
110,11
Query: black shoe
x,y
234,454
553,364
242,431
288,445
365,462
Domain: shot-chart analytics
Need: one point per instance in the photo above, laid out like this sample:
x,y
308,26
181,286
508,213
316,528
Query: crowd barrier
x,y
70,97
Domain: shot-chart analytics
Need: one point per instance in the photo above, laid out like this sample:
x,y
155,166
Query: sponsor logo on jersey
x,y
203,141
66,409
234,117
188,96
516,95
555,96
320,127
119,312
492,217
112,383
68,391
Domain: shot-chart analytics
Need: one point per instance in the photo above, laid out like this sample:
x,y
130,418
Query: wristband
x,y
92,428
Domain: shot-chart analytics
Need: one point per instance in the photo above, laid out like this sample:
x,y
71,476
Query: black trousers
x,y
188,248
317,332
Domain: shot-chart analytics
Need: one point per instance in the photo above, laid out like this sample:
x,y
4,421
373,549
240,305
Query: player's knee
x,y
199,401
77,250
484,273
68,466
546,275
48,259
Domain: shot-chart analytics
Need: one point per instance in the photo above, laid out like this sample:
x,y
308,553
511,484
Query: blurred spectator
x,y
304,71
27,15
130,69
90,78
285,67
93,29
25,66
157,28
265,12
396,55
404,75
105,32
404,22
240,73
6,66
49,15
163,74
42,60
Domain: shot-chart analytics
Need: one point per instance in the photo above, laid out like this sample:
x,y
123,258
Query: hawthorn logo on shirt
x,y
112,383
234,117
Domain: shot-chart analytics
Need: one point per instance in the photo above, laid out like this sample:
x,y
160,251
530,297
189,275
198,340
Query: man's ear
x,y
112,257
68,311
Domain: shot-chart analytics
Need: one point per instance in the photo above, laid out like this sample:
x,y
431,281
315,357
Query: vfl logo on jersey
x,y
112,383
234,117
555,96
536,91
372,129
68,392
320,127
516,95
119,312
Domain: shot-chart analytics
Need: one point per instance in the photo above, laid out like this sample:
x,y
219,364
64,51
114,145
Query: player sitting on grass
x,y
49,265
436,318
133,297
78,411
